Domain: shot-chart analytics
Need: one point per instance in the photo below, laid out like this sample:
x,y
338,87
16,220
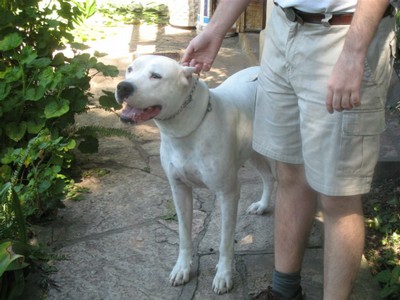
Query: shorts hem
x,y
348,186
268,152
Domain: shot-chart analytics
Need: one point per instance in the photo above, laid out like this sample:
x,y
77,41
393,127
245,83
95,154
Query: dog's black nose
x,y
124,89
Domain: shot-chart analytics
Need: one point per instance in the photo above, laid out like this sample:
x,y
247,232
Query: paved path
x,y
121,241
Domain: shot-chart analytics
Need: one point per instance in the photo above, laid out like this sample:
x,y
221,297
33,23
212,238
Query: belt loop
x,y
299,19
325,21
292,15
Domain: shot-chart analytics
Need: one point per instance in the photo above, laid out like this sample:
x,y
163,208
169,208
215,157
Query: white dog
x,y
206,136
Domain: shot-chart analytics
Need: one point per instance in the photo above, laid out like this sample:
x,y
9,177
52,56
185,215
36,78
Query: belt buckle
x,y
325,21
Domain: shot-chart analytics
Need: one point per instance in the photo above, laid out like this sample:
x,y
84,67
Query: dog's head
x,y
154,86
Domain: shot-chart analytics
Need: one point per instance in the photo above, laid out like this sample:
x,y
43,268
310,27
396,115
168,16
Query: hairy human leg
x,y
344,244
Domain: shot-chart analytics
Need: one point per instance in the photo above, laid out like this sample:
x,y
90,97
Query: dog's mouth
x,y
136,115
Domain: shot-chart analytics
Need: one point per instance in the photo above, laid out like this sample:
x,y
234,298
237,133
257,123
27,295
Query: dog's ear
x,y
188,71
186,74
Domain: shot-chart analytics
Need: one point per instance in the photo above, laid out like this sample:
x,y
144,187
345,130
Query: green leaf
x,y
56,108
4,90
65,10
16,131
44,185
383,276
35,93
41,63
53,23
12,74
57,77
107,70
58,59
3,193
17,264
5,173
3,66
8,257
27,55
71,144
6,17
108,100
91,8
7,158
35,125
99,54
82,58
46,76
90,144
387,291
11,41
79,46
80,99
396,275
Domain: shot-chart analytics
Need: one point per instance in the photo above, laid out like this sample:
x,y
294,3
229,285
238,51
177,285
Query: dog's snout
x,y
124,89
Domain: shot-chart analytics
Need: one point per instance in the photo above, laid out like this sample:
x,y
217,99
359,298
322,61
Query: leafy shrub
x,y
11,271
382,213
41,91
87,9
134,12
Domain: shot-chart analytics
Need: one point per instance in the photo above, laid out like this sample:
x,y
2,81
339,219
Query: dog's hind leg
x,y
223,281
183,200
266,168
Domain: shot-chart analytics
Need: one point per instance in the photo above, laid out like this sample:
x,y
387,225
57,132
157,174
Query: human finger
x,y
328,101
346,102
188,55
355,99
206,67
197,65
337,102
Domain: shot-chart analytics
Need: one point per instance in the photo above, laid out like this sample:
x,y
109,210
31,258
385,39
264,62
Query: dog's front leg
x,y
223,281
183,200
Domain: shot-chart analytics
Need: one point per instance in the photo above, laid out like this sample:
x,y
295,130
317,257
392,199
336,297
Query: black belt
x,y
328,19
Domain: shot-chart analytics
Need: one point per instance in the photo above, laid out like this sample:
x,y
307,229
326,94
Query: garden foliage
x,y
382,212
41,91
134,12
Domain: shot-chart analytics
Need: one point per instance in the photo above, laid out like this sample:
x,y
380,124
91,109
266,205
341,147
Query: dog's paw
x,y
222,283
257,208
179,275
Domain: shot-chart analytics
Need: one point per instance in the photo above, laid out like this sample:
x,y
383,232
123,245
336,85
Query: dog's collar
x,y
186,103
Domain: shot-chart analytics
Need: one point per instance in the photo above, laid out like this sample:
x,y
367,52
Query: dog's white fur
x,y
199,147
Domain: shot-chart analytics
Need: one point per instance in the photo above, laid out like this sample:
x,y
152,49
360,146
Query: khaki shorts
x,y
339,150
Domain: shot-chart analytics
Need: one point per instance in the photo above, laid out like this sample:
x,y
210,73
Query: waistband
x,y
327,19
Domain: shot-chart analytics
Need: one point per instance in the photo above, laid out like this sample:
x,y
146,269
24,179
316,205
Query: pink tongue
x,y
139,115
130,112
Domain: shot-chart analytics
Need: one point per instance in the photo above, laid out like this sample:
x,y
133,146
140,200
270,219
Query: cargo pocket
x,y
381,52
359,148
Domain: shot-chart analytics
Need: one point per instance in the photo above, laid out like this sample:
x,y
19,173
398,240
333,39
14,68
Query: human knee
x,y
341,205
291,174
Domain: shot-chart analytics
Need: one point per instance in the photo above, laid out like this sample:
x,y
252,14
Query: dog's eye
x,y
130,69
155,75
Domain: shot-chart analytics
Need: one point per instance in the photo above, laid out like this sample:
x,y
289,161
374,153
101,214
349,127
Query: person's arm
x,y
203,49
345,82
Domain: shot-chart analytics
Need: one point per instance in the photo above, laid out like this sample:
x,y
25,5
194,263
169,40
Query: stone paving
x,y
121,241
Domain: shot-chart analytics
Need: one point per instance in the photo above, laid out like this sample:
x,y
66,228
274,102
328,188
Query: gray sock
x,y
286,284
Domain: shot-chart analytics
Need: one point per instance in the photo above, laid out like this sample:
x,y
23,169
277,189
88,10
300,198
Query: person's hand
x,y
202,50
345,83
